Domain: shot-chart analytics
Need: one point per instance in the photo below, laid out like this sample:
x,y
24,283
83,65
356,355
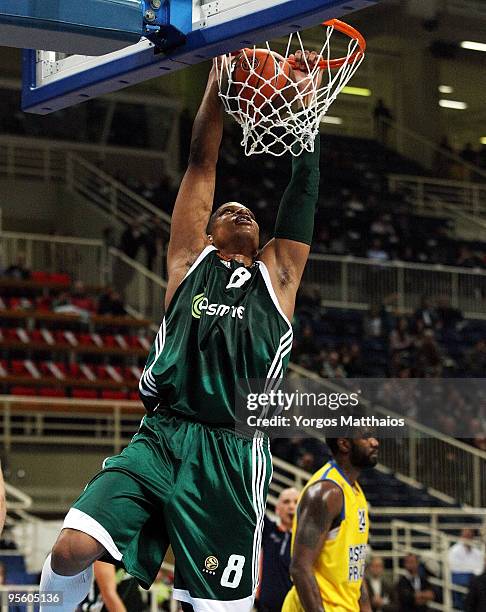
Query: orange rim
x,y
344,28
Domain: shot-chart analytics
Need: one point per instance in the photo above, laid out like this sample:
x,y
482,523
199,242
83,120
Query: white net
x,y
277,114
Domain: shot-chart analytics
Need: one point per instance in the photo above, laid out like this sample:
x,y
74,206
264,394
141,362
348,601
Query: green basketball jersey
x,y
223,327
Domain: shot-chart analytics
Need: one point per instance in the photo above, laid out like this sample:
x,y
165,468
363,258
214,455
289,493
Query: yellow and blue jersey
x,y
340,566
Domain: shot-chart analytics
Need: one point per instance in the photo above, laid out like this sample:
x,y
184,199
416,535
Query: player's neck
x,y
352,473
246,260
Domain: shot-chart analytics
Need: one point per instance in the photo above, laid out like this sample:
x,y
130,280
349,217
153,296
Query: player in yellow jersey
x,y
330,533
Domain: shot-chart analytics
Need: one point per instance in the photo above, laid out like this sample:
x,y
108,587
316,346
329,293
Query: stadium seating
x,y
78,354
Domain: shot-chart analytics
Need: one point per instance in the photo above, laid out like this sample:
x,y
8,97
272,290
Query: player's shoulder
x,y
322,492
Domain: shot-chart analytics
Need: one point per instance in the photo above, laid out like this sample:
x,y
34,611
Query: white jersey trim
x,y
76,519
200,257
212,605
271,290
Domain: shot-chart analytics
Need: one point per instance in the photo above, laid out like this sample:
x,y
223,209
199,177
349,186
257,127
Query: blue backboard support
x,y
51,83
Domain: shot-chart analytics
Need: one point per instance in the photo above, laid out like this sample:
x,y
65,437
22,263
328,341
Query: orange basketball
x,y
260,80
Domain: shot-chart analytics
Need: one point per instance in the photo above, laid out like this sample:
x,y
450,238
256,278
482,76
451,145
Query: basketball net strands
x,y
277,115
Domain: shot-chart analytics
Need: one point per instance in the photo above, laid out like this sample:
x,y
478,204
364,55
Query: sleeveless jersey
x,y
340,566
223,327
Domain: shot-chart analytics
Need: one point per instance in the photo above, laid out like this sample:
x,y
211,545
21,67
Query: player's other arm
x,y
3,502
105,576
195,198
364,600
319,506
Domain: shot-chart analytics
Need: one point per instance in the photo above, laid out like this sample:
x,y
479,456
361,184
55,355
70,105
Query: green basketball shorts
x,y
198,488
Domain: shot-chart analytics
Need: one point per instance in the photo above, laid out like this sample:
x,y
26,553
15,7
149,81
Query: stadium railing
x,y
440,160
58,161
143,290
109,426
441,196
404,542
354,282
461,481
341,281
81,258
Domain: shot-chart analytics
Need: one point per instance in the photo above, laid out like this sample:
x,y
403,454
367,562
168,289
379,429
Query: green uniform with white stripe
x,y
187,478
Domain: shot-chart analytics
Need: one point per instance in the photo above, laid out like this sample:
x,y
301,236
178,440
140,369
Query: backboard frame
x,y
216,32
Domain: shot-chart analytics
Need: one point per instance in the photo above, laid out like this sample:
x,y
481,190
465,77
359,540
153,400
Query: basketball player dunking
x,y
187,479
330,533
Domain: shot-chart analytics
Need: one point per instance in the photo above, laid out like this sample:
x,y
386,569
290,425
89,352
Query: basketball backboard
x,y
53,80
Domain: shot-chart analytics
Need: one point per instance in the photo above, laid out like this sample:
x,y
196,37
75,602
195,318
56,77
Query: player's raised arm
x,y
195,198
319,506
286,254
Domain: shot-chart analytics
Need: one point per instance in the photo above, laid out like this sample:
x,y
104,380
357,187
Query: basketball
x,y
261,81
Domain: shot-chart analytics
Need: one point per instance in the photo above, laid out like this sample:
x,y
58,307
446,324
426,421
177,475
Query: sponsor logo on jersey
x,y
201,305
357,559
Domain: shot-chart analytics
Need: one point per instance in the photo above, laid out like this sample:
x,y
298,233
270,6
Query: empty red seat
x,y
39,276
85,393
113,395
62,279
51,392
18,367
36,335
18,390
133,395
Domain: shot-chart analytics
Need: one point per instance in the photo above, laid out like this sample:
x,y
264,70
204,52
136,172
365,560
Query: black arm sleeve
x,y
295,219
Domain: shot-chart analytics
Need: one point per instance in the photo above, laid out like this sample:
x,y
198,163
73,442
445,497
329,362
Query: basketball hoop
x,y
275,115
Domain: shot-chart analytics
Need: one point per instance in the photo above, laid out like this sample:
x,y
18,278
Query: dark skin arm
x,y
196,193
364,600
320,505
286,259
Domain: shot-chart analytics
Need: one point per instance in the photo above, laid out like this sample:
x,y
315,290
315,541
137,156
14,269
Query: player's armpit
x,y
321,503
364,600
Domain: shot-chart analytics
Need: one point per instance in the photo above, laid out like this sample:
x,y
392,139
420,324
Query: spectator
x,y
332,368
373,323
476,598
400,339
18,270
468,154
131,240
275,560
352,360
414,591
376,252
152,242
306,346
465,561
80,299
380,589
467,259
382,116
448,317
428,357
111,303
426,313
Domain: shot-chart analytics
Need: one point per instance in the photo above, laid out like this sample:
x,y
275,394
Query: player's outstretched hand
x,y
307,73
